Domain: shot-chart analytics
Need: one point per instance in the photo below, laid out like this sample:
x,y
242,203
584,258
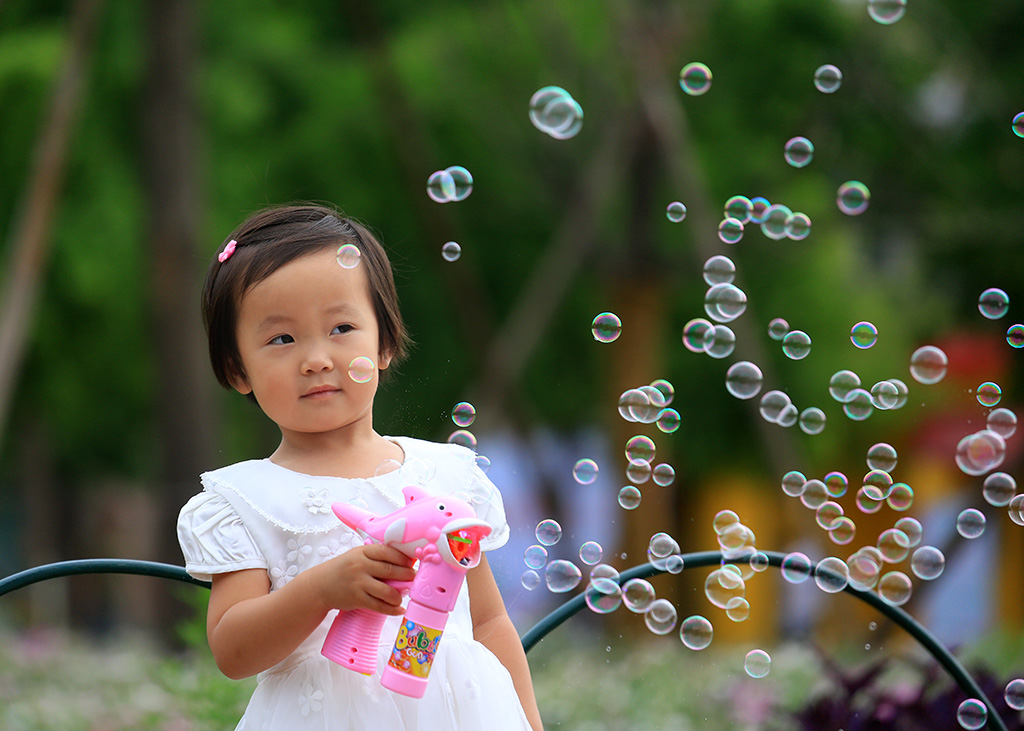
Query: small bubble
x,y
1018,124
814,494
759,562
882,456
585,471
743,379
554,112
739,207
885,395
696,632
901,497
972,714
812,420
774,224
912,528
798,226
1015,336
388,465
1003,422
730,230
928,365
799,151
864,335
530,580
451,251
970,523
441,186
793,483
591,553
886,12
464,438
895,588
842,384
535,557
638,595
842,531
463,414
859,406
999,489
348,256
695,78
828,79
796,345
719,341
980,452
757,663
694,333
796,568
772,405
1014,693
832,575
661,616
738,609
989,394
604,595
629,497
927,563
666,388
638,472
1015,508
606,327
668,420
724,302
549,532
993,303
894,545
778,328
675,212
663,475
562,576
723,584
853,197
836,483
362,369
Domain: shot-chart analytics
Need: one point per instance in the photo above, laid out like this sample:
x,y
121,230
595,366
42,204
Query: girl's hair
x,y
264,243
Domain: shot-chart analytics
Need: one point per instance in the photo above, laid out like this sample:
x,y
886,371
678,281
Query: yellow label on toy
x,y
415,648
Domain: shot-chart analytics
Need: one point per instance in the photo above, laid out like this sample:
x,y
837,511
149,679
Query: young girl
x,y
304,329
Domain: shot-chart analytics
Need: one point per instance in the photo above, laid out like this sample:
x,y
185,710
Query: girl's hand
x,y
356,579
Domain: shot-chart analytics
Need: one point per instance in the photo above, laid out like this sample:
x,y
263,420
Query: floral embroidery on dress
x,y
311,700
318,502
334,546
288,569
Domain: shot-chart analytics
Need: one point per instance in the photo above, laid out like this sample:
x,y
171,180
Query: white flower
x,y
310,700
318,502
298,549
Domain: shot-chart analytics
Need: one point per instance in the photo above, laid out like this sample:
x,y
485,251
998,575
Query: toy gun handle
x,y
353,640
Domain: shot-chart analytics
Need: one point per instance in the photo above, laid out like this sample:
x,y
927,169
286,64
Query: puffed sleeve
x,y
213,538
486,500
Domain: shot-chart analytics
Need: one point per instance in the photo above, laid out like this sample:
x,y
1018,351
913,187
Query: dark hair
x,y
264,243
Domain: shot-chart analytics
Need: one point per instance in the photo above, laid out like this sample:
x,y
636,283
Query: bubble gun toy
x,y
444,534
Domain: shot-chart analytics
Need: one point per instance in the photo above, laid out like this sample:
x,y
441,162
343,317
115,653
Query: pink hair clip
x,y
228,251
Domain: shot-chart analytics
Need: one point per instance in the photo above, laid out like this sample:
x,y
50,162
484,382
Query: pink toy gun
x,y
444,534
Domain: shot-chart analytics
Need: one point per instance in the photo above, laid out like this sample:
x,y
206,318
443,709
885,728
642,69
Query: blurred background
x,y
135,135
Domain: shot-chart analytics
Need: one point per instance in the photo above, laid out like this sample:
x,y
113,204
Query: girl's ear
x,y
240,384
383,361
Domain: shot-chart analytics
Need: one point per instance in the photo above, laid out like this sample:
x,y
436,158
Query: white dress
x,y
259,515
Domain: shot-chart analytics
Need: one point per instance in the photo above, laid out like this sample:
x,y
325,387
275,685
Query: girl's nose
x,y
316,360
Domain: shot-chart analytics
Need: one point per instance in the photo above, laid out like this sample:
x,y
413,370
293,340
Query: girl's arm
x,y
493,628
251,628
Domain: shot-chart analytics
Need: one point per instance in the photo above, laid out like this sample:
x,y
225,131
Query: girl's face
x,y
298,331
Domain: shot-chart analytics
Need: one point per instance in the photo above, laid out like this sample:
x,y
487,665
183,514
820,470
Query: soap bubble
x,y
853,197
739,207
604,596
451,251
864,335
554,112
362,369
675,212
696,632
562,576
832,575
638,472
661,616
640,447
989,394
798,151
1014,693
789,416
720,341
812,420
719,270
796,568
638,595
1015,336
549,532
464,438
774,224
759,562
828,513
585,471
778,328
885,395
348,256
842,531
999,489
828,79
814,494
798,226
695,78
1018,124
886,12
836,483
1003,422
793,483
663,475
462,181
842,384
903,393
895,588
970,523
993,303
724,302
894,545
912,528
928,365
743,379
772,405
530,580
901,497
927,563
757,663
629,497
980,452
668,420
738,609
972,713
418,471
591,553
1015,508
758,209
463,414
441,186
723,584
796,345
730,230
606,327
694,333
535,556
388,465
668,391
864,569
882,456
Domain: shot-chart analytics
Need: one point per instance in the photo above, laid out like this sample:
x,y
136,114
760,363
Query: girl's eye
x,y
341,329
282,339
